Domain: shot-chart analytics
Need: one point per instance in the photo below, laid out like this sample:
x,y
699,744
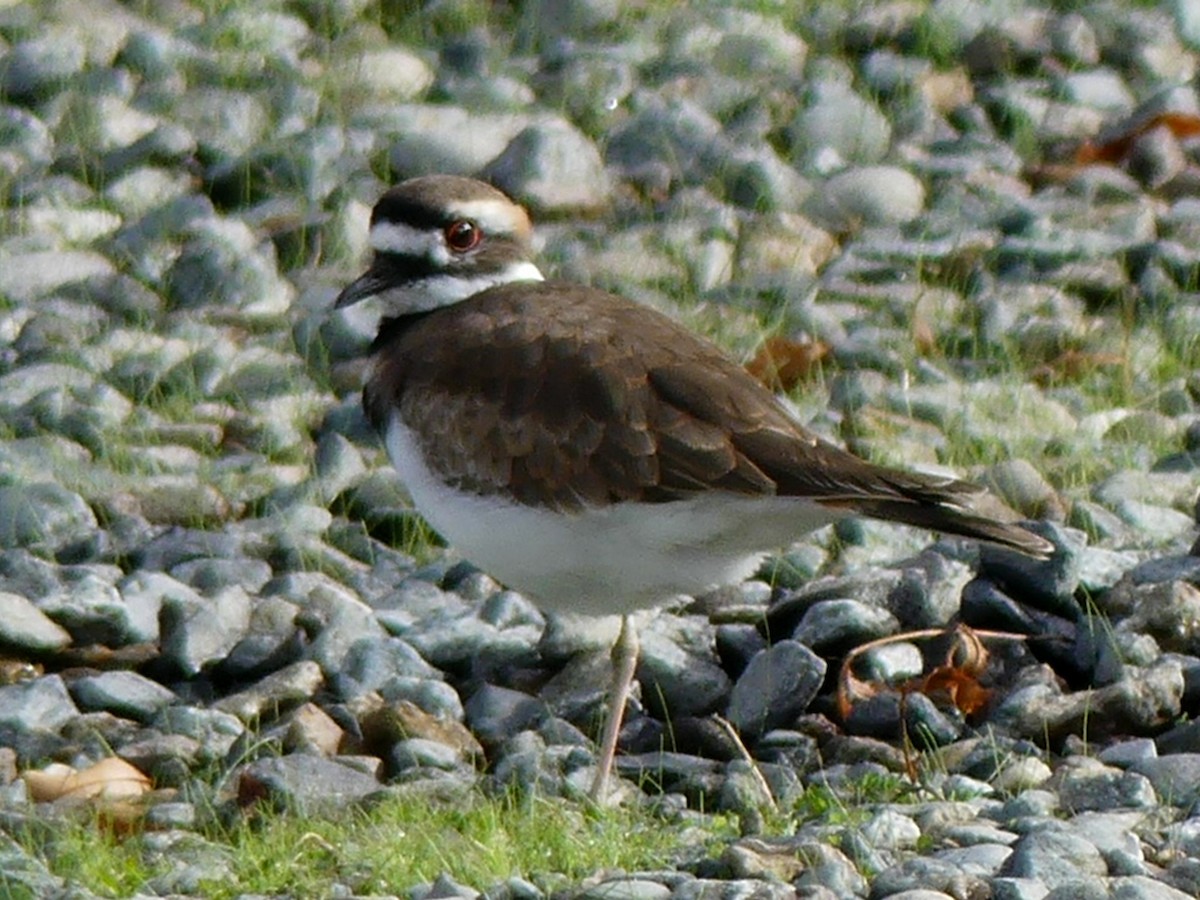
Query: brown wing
x,y
547,395
564,396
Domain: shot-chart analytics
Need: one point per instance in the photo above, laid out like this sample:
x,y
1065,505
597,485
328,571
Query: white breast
x,y
607,560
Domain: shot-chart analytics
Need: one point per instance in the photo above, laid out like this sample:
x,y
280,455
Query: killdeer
x,y
588,451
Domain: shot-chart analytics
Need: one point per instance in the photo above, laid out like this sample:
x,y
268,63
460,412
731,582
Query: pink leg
x,y
624,656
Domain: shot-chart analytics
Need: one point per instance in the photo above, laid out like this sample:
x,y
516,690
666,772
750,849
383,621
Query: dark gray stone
x,y
833,626
199,631
46,518
1048,584
1055,857
679,677
495,713
1175,777
123,693
25,627
307,783
776,687
42,704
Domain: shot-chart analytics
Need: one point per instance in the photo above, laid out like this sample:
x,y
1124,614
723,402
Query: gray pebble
x,y
199,631
308,783
777,686
43,704
123,693
46,518
25,626
1055,857
553,168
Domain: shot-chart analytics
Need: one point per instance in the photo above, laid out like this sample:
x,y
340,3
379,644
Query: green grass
x,y
409,839
403,841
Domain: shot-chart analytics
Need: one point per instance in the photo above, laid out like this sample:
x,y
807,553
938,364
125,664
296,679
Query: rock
x,y
227,123
837,126
25,627
199,631
47,518
494,714
36,66
275,694
1093,786
386,75
223,267
552,168
429,139
1174,777
1137,704
835,626
1020,485
865,197
1048,584
1054,858
42,704
776,687
306,783
679,677
122,693
311,730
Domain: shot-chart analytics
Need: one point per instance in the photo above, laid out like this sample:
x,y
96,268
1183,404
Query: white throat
x,y
435,291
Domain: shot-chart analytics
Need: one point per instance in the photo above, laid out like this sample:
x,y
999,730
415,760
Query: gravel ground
x,y
985,214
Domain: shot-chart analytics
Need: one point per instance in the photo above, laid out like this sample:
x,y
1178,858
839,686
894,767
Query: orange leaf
x,y
851,689
959,685
782,363
1115,149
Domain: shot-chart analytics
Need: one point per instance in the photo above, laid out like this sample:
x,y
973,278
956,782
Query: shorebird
x,y
586,450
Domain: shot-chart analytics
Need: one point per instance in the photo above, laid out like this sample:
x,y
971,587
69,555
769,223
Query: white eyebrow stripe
x,y
495,216
396,237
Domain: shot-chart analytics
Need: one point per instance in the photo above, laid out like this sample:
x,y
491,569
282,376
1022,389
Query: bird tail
x,y
982,517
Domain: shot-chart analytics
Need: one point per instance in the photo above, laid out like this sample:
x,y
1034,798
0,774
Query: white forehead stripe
x,y
495,216
396,237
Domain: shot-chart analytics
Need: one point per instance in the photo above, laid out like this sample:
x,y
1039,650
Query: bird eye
x,y
463,235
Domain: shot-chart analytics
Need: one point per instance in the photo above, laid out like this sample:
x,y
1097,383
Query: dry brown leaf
x,y
782,363
1073,365
851,689
960,686
48,784
13,671
109,779
957,679
923,335
1115,149
967,652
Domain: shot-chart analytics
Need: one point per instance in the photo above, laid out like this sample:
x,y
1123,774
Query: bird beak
x,y
368,284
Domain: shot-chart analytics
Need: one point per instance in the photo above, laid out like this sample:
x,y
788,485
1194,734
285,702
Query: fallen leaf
x,y
850,690
1116,148
957,680
961,688
48,784
109,779
1073,365
782,363
13,671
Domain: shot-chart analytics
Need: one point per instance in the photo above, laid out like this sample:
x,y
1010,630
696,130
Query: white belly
x,y
608,560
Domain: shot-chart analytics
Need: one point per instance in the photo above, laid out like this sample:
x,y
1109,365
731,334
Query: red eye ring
x,y
463,235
